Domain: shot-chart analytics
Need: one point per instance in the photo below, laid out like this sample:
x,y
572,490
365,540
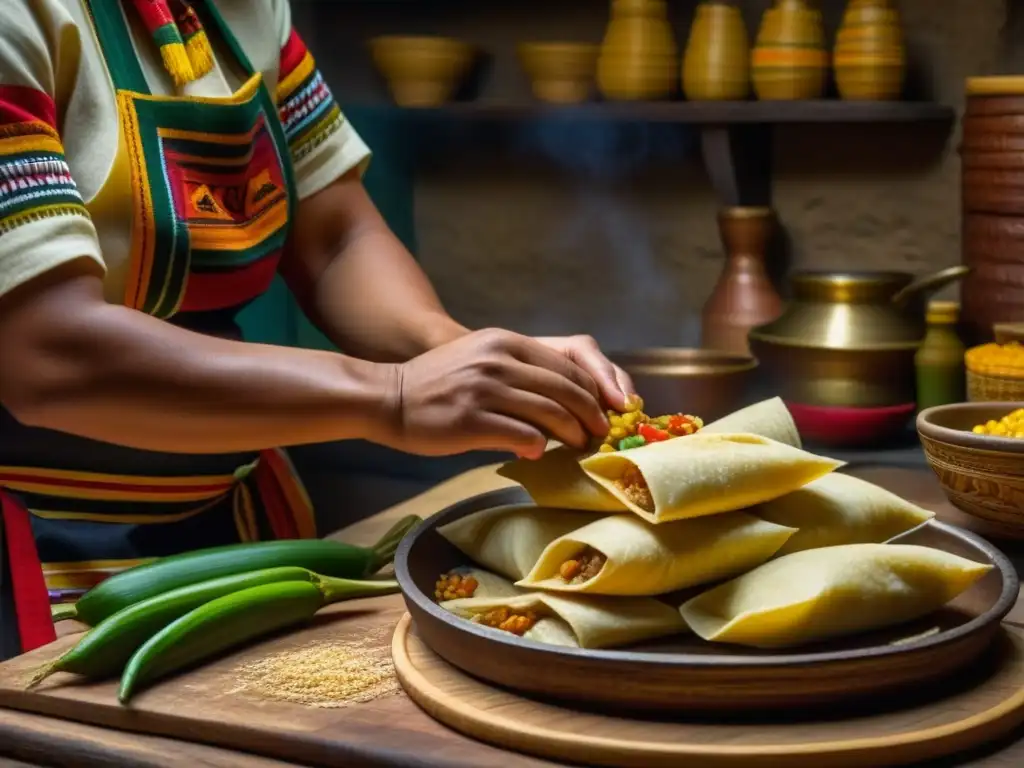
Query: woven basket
x,y
983,388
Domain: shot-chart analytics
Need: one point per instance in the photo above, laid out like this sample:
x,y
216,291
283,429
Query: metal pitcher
x,y
848,338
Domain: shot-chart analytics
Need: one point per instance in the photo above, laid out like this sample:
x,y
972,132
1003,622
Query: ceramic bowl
x,y
560,73
838,427
981,475
701,382
422,71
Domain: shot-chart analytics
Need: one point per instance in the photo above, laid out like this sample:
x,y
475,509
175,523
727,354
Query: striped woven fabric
x,y
306,105
35,182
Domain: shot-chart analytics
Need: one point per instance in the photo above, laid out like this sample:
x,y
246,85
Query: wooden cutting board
x,y
211,705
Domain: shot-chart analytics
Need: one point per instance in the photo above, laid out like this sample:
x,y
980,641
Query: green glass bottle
x,y
941,377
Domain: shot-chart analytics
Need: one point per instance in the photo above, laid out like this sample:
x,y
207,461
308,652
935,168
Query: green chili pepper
x,y
106,648
233,620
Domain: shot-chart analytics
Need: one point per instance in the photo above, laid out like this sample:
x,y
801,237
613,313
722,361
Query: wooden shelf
x,y
736,137
698,112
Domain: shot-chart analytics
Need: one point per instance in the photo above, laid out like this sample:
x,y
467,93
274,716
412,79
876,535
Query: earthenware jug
x,y
869,56
744,296
638,59
789,60
716,65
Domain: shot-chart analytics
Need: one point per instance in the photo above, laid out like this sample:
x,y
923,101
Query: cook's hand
x,y
614,383
494,390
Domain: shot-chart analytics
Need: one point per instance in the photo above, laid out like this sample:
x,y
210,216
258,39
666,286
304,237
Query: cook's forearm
x,y
374,301
113,374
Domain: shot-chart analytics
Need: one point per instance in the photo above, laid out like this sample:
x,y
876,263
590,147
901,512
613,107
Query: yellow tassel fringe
x,y
200,54
177,63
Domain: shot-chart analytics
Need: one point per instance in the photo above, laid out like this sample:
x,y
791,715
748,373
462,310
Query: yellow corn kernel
x,y
606,448
617,433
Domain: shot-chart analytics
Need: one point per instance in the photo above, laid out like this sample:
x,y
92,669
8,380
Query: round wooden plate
x,y
685,673
942,726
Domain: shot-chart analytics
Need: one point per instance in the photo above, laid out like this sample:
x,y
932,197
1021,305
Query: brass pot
x,y
848,339
701,382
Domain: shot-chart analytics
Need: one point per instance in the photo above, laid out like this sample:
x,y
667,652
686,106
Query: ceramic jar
x,y
789,60
638,59
869,56
716,65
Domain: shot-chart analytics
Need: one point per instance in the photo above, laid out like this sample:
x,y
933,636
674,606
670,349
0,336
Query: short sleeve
x,y
43,220
324,146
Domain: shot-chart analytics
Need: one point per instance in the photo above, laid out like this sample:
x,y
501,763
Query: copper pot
x,y
701,382
848,339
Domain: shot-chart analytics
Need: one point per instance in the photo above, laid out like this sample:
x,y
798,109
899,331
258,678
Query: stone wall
x,y
592,229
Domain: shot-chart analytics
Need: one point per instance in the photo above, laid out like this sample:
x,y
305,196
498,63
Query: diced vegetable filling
x,y
582,568
1011,425
635,428
634,487
507,620
454,585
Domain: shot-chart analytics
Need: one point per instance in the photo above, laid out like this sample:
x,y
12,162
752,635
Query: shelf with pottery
x,y
637,70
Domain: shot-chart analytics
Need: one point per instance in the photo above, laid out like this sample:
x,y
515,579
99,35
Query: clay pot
x,y
869,56
789,61
560,73
716,65
638,59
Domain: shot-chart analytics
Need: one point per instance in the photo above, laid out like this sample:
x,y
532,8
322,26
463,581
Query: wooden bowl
x,y
422,71
701,382
560,73
686,674
981,475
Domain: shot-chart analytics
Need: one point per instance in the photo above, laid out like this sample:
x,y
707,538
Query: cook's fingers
x,y
538,411
535,353
564,392
625,382
585,352
497,432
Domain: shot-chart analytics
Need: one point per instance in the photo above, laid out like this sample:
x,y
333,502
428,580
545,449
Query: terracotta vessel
x,y
743,297
992,197
869,56
560,73
716,65
638,59
789,60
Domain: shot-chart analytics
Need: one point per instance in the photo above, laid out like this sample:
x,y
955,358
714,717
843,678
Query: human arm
x,y
357,282
77,364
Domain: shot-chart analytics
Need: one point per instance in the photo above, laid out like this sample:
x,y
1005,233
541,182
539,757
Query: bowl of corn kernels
x,y
977,452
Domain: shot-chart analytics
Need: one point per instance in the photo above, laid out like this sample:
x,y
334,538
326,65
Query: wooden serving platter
x,y
941,723
687,674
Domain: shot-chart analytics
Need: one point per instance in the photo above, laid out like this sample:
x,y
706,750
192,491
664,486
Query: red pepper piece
x,y
678,424
651,433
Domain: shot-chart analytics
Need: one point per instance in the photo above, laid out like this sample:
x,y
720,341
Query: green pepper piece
x,y
633,441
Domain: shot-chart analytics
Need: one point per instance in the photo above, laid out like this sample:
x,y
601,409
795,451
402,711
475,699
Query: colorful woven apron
x,y
213,196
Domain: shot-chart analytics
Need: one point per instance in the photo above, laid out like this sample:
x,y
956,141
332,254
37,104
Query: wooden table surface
x,y
35,740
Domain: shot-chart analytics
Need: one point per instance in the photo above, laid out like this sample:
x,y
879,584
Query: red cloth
x,y
31,599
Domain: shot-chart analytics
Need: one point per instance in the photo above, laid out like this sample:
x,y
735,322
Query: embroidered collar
x,y
176,29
